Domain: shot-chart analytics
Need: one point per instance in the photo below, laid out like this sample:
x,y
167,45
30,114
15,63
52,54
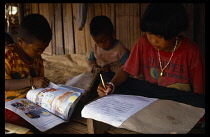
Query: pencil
x,y
102,81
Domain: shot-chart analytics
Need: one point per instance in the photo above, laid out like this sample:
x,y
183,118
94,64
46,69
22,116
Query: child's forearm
x,y
16,84
92,65
120,77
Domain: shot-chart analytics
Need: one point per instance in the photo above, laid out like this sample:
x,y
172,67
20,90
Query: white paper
x,y
82,81
114,109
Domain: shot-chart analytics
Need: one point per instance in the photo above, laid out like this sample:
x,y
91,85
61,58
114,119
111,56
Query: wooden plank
x,y
88,38
58,29
114,130
80,45
120,23
68,28
35,7
143,8
136,24
46,10
68,128
97,9
96,127
28,7
127,17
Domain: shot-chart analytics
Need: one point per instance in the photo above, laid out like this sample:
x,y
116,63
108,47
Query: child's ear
x,y
20,41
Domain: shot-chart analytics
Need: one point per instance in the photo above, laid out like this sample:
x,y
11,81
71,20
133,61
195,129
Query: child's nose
x,y
100,44
153,40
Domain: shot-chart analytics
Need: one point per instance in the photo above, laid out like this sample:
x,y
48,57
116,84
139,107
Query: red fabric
x,y
184,72
13,118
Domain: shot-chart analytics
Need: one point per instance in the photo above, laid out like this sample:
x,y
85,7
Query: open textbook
x,y
143,115
47,107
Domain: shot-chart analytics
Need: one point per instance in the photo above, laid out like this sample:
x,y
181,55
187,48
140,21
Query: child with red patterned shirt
x,y
171,65
23,63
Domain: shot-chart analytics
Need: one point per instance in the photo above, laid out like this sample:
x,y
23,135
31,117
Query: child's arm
x,y
92,63
16,84
94,67
120,77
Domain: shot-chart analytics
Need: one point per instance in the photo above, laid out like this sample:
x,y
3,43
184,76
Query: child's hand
x,y
40,82
106,68
96,69
103,92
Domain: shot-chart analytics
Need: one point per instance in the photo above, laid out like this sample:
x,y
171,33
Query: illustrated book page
x,y
57,101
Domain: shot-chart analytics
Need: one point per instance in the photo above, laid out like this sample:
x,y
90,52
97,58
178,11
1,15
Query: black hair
x,y
35,27
101,24
163,19
8,39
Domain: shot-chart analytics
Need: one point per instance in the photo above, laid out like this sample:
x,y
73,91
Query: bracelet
x,y
112,86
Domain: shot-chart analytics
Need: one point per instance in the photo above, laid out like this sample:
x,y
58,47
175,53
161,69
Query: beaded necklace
x,y
161,68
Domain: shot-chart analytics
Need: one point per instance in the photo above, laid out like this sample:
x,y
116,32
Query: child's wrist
x,y
31,82
95,67
113,86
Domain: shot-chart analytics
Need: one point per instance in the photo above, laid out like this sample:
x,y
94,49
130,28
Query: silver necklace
x,y
161,68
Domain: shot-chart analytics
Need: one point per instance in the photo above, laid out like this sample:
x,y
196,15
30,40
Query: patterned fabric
x,y
16,67
13,118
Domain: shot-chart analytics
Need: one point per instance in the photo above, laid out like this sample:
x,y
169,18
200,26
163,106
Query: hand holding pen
x,y
104,89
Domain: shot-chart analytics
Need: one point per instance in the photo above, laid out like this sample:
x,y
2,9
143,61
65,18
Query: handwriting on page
x,y
115,109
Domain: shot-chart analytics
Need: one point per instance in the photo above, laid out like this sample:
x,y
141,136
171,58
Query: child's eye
x,y
102,42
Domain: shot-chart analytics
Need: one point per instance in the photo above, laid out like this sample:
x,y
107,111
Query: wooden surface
x,y
79,125
67,39
68,29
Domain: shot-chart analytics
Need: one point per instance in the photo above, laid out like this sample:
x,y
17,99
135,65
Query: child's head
x,y
166,20
102,31
34,34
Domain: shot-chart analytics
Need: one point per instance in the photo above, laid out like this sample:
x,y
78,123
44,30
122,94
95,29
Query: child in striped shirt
x,y
23,63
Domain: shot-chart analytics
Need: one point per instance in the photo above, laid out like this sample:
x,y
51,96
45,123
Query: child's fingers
x,y
101,93
101,90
